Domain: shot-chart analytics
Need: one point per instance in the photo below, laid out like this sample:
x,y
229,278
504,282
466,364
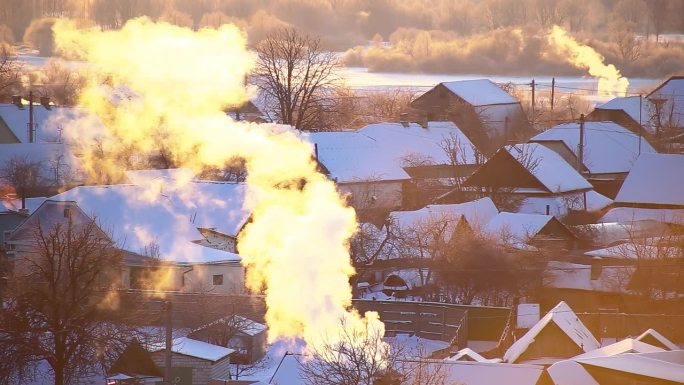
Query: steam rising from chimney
x,y
155,84
610,81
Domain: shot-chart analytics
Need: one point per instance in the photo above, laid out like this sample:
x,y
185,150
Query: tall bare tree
x,y
53,308
296,73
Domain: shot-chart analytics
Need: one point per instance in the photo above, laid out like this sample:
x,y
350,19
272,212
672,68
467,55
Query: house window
x,y
67,212
218,279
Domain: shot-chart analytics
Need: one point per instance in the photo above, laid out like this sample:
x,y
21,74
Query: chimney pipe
x,y
403,119
316,150
548,209
16,100
45,101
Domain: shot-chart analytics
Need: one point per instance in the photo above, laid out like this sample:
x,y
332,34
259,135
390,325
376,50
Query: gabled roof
x,y
628,345
398,142
652,337
548,167
635,107
566,320
194,348
655,179
354,157
517,229
480,92
608,146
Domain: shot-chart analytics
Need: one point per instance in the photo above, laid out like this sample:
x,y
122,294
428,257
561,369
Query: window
x,y
67,212
218,279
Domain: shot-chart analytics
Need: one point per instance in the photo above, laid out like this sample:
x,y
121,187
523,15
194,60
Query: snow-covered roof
x,y
633,214
639,109
147,176
412,277
243,324
566,275
640,249
649,365
355,157
516,228
653,334
142,219
568,322
560,204
608,147
194,348
655,179
477,213
570,372
480,92
467,354
415,144
488,373
49,123
628,345
548,167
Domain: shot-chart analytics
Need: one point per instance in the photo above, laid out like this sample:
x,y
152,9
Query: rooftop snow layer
x,y
568,322
195,348
548,167
355,157
480,92
141,218
421,145
655,179
638,108
628,345
608,147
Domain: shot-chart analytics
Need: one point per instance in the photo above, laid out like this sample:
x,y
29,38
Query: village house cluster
x,y
576,276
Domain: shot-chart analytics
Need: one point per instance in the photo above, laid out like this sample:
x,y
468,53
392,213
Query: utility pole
x,y
580,147
533,118
166,306
553,91
30,123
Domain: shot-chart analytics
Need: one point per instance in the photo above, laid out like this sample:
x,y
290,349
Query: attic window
x,y
217,279
67,212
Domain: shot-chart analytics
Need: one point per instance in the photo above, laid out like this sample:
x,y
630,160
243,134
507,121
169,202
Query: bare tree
x,y
10,72
293,70
23,174
55,304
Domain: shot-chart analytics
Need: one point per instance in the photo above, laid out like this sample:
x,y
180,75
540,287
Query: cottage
x,y
485,112
194,362
559,334
610,150
653,190
245,336
531,178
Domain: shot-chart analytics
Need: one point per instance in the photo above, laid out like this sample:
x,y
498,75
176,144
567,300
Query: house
x,y
245,336
628,368
137,219
653,190
247,111
519,230
632,112
559,334
531,178
486,113
194,362
610,150
357,164
654,338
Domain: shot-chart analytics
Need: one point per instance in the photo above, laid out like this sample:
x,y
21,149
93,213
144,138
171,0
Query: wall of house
x,y
202,371
373,194
201,278
550,343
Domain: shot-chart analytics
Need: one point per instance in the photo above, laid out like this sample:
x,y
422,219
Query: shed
x,y
194,362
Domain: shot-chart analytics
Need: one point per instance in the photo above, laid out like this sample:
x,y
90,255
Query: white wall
x,y
200,278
